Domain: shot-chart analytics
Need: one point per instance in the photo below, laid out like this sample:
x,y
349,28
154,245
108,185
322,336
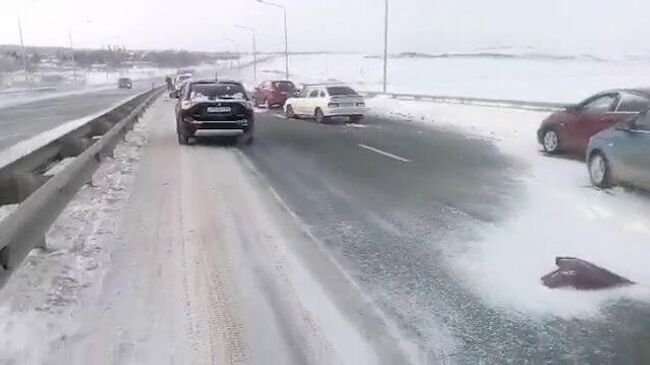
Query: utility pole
x,y
22,47
385,45
254,51
74,64
286,35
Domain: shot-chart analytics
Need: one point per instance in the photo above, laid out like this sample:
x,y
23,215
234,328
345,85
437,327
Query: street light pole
x,y
231,60
22,48
286,35
385,45
254,51
74,64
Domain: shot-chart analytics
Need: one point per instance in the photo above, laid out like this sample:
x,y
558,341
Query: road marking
x,y
387,154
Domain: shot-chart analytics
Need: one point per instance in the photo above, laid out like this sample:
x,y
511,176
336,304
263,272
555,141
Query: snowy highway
x,y
22,119
412,237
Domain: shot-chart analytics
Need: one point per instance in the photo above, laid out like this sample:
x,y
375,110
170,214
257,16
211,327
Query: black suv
x,y
211,107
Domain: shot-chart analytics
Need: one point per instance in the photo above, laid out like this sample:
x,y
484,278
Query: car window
x,y
601,104
322,93
283,85
632,103
643,122
313,93
303,93
340,90
216,91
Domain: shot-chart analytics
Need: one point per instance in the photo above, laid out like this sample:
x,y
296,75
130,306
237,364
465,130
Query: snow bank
x,y
560,214
49,287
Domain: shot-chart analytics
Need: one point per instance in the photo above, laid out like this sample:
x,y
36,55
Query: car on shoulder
x,y
272,93
322,102
569,130
211,108
124,83
621,155
179,80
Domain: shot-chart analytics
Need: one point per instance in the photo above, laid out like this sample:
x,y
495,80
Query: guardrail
x,y
500,103
40,198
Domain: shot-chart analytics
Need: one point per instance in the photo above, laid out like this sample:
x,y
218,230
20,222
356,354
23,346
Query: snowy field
x,y
526,78
561,215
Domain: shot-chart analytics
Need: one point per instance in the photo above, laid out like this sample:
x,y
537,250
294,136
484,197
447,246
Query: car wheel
x,y
319,117
551,142
182,140
289,112
599,170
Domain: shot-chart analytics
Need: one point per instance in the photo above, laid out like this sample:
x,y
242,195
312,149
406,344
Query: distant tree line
x,y
113,57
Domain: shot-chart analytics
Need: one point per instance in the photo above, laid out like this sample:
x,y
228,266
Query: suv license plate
x,y
218,109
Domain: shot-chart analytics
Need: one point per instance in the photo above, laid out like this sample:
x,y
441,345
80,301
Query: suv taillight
x,y
186,104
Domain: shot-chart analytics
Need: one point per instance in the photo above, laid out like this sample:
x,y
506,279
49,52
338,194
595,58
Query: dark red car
x,y
273,93
569,130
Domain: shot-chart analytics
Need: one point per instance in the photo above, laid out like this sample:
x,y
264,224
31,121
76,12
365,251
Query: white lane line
x,y
387,154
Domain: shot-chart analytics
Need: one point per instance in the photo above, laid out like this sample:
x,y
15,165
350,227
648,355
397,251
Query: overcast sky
x,y
576,26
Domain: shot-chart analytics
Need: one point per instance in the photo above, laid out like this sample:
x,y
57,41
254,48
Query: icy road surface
x,y
189,259
25,120
417,236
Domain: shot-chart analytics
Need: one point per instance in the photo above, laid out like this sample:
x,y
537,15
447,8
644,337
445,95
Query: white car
x,y
325,101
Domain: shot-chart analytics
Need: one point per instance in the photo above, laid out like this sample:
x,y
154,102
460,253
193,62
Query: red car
x,y
569,130
273,93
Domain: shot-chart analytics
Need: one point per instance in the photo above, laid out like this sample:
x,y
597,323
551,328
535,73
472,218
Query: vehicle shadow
x,y
563,156
217,141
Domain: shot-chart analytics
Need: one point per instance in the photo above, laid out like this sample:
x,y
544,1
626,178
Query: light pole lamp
x,y
286,35
254,51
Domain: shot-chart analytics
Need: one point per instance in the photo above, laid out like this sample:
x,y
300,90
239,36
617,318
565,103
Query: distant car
x,y
621,154
325,101
125,83
214,107
273,93
569,130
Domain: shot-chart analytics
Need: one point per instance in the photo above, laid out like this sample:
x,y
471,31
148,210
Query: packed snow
x,y
560,215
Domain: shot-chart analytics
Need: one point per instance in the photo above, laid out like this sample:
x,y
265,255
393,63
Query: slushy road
x,y
20,122
390,199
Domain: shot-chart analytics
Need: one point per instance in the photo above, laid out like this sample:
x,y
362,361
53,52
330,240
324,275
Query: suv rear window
x,y
283,85
340,90
216,91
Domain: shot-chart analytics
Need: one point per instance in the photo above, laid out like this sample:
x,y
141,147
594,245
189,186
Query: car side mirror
x,y
296,93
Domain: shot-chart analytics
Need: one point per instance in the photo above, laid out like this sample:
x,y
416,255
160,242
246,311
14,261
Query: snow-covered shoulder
x,y
561,215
